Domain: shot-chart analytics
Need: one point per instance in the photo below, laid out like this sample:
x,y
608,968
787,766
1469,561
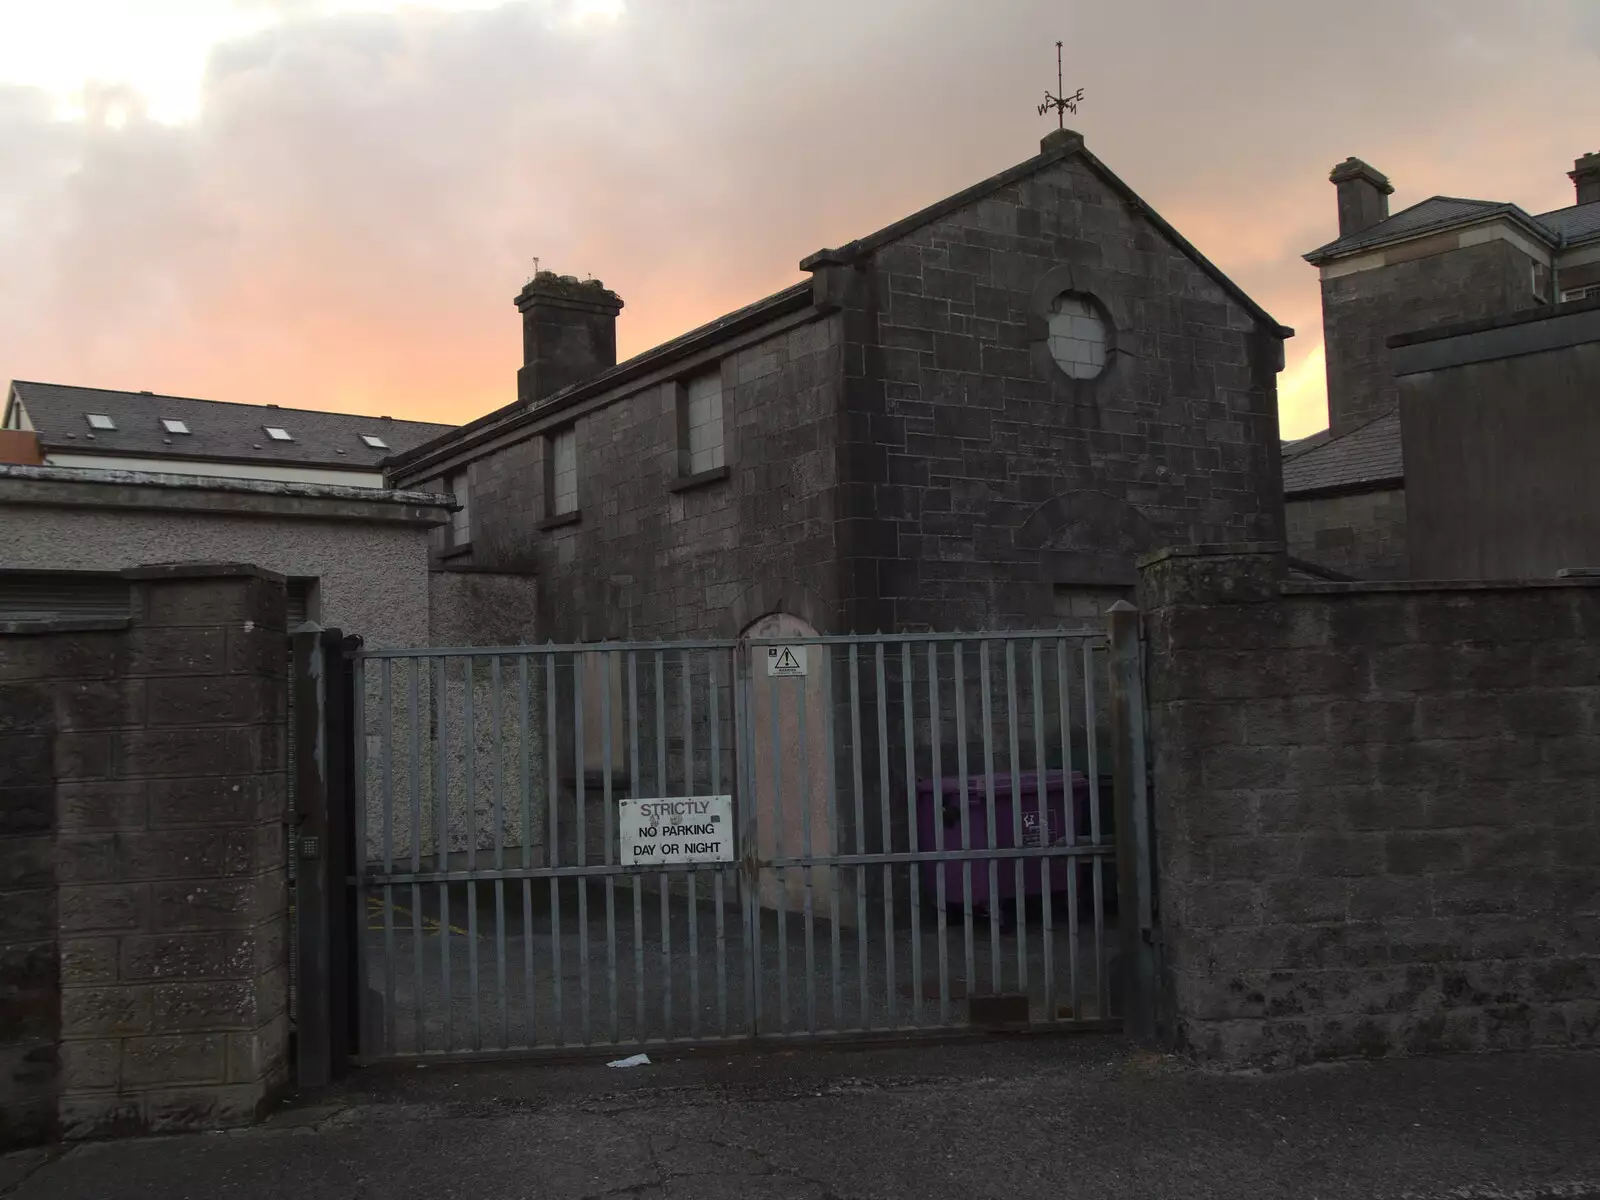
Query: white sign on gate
x,y
675,830
785,660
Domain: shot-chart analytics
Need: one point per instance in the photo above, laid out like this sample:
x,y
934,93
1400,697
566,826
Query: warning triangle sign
x,y
786,660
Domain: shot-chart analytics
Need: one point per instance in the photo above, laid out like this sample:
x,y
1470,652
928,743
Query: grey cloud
x,y
348,220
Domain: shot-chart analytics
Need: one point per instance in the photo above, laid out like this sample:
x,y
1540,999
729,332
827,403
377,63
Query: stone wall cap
x,y
1391,586
100,476
1211,550
202,570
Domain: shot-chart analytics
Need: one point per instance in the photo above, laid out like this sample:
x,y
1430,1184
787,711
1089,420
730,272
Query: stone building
x,y
976,417
1439,263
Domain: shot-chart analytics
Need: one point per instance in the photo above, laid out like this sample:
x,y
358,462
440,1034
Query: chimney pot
x,y
1585,176
1364,195
569,333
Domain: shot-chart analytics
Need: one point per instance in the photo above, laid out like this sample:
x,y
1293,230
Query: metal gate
x,y
921,841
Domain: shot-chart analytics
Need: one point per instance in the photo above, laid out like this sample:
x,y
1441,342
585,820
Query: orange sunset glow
x,y
331,204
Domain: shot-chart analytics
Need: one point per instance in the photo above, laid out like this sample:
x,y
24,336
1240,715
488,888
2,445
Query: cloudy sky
x,y
330,203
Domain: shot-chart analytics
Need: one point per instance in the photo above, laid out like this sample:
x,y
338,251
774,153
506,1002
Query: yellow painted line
x,y
430,925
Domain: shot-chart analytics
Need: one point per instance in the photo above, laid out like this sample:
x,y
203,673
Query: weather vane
x,y
1062,103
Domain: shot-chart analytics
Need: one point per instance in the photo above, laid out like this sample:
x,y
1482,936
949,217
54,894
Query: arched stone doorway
x,y
790,772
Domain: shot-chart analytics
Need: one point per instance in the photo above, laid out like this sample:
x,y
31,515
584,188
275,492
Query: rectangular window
x,y
461,519
277,433
562,472
701,417
1541,283
1583,293
100,421
172,426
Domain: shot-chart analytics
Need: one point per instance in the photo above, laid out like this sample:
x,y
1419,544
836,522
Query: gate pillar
x,y
1137,974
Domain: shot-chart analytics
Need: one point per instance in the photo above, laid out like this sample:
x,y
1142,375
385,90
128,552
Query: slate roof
x,y
218,431
1301,445
1561,227
449,439
1367,455
798,296
1575,223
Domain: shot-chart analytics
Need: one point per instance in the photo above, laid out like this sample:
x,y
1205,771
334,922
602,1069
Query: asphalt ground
x,y
1015,1117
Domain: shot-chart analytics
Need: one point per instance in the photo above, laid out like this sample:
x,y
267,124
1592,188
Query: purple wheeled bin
x,y
942,814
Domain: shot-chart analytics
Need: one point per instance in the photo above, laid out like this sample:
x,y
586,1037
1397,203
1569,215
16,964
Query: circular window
x,y
1077,336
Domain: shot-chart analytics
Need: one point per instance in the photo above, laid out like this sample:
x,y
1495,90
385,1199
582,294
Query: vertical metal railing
x,y
919,841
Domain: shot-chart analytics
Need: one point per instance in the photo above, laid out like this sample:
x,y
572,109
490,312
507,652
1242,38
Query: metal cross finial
x,y
1061,102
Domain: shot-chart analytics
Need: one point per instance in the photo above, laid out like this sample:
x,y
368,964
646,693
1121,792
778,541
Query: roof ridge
x,y
632,360
321,412
1375,235
1348,433
511,413
1367,424
1595,204
1075,148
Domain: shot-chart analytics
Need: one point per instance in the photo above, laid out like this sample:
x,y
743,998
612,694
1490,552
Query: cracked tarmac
x,y
1006,1117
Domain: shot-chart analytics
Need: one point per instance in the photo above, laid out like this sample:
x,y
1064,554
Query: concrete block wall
x,y
1377,811
163,748
30,961
1362,534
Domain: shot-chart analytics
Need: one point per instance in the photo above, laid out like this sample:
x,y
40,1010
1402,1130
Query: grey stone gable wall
x,y
978,475
1361,311
644,559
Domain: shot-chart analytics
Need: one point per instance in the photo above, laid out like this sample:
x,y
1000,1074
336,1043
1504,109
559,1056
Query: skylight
x,y
172,426
377,443
277,433
100,421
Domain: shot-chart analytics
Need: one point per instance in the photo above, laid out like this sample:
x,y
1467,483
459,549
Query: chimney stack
x,y
1585,176
1363,195
569,333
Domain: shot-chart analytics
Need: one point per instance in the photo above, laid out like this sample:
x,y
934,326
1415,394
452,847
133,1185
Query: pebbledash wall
x,y
366,549
143,904
1377,810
